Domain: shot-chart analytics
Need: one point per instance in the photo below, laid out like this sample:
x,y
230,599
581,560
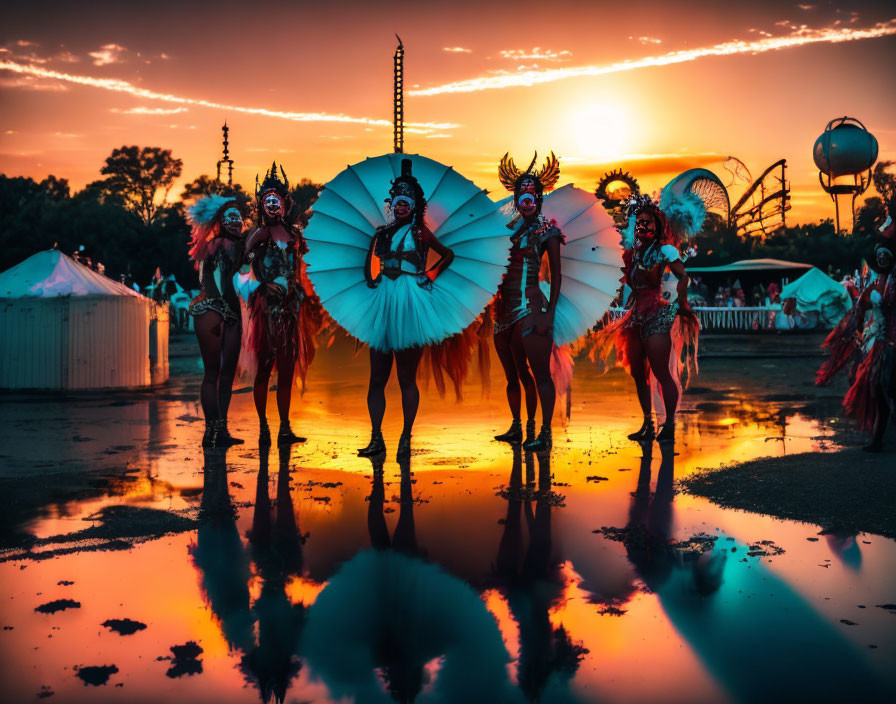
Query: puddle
x,y
314,575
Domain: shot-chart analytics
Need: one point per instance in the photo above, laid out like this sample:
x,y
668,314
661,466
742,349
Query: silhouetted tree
x,y
304,194
136,176
885,182
55,188
870,216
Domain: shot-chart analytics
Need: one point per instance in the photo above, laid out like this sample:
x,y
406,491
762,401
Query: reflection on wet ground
x,y
139,568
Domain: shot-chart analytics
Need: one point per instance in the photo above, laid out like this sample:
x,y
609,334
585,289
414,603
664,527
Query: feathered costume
x,y
590,261
869,342
216,250
652,308
382,282
283,315
216,257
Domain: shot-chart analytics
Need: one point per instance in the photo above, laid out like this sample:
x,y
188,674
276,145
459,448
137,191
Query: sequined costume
x,y
645,268
284,317
520,294
216,290
657,328
524,313
651,308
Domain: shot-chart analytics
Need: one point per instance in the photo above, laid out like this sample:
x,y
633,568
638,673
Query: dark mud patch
x,y
848,491
638,538
51,607
96,674
22,499
118,528
124,626
122,522
184,660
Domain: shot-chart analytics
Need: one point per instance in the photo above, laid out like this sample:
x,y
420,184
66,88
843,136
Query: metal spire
x,y
398,98
226,158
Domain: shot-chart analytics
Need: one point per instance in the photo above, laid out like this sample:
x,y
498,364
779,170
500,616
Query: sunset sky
x,y
655,87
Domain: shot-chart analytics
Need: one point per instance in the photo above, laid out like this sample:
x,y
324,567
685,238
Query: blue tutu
x,y
399,314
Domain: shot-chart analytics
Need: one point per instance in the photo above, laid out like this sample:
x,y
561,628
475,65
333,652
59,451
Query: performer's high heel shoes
x,y
404,448
645,432
376,446
666,436
216,435
514,434
225,439
542,442
287,437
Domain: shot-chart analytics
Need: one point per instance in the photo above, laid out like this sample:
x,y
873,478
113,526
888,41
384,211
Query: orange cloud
x,y
108,54
120,86
801,36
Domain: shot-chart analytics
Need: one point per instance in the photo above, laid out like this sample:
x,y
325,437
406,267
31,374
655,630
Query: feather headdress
x,y
686,212
204,216
547,176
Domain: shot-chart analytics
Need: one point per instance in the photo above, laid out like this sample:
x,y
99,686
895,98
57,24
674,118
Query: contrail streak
x,y
119,86
801,37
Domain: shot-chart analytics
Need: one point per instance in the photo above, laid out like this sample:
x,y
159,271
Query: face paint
x,y
645,226
527,186
232,221
402,207
273,205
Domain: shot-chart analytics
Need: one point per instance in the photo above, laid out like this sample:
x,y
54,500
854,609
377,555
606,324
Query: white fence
x,y
746,319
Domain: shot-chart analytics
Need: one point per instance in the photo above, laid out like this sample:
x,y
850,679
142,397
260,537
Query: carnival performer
x,y
393,284
216,249
282,321
648,338
524,316
402,284
871,397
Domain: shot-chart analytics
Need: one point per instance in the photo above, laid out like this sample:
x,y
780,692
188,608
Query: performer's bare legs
x,y
508,345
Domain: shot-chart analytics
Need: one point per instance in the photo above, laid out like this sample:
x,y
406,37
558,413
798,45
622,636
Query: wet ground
x,y
137,568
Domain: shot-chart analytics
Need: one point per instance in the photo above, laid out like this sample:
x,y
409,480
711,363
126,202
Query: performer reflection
x,y
266,632
404,538
276,546
707,595
388,615
532,578
219,557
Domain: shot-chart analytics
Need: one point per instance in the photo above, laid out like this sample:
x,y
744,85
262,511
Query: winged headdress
x,y
545,178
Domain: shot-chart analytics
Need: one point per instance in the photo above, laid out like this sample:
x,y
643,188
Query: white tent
x,y
64,326
817,292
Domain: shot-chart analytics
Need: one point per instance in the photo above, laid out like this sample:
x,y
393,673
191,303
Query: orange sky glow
x,y
654,88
